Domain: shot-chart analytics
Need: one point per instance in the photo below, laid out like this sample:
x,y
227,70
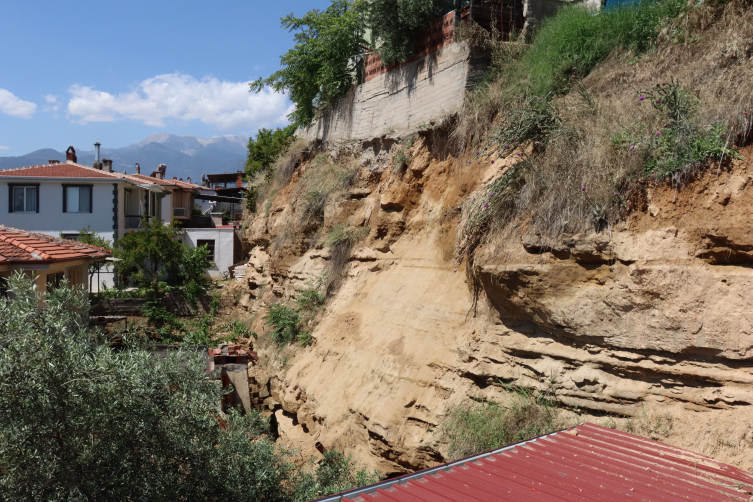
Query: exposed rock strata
x,y
655,314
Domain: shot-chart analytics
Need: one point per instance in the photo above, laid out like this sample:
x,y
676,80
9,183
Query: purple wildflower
x,y
491,195
657,101
486,206
492,162
641,98
658,133
632,146
582,189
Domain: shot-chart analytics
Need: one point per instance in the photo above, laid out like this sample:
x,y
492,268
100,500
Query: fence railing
x,y
133,221
180,212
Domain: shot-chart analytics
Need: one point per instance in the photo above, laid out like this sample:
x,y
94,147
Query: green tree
x,y
153,255
264,150
323,63
396,23
150,253
86,236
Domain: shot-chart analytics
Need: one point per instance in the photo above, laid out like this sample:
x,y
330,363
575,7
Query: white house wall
x,y
223,246
51,219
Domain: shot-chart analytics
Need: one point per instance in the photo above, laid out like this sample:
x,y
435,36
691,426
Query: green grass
x,y
478,427
569,45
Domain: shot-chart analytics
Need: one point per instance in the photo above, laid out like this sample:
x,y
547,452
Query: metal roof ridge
x,y
401,480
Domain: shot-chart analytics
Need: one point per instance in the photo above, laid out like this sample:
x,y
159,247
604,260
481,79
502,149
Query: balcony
x,y
133,221
181,212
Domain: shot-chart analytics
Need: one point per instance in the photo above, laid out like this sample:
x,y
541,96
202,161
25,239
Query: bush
x,y
475,428
677,142
284,322
336,473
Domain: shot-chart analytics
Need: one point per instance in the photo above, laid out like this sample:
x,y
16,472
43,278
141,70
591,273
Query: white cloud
x,y
4,147
11,105
53,101
227,106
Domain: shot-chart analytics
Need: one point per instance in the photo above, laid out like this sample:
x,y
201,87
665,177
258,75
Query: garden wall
x,y
177,305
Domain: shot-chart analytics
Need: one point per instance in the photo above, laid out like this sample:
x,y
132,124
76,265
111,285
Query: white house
x,y
60,199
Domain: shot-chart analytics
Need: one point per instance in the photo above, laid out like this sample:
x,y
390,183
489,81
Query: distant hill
x,y
184,155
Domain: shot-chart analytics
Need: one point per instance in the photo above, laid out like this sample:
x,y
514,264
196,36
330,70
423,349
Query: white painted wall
x,y
51,219
223,246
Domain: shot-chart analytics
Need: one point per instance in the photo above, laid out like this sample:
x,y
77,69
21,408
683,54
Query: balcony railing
x,y
180,212
133,221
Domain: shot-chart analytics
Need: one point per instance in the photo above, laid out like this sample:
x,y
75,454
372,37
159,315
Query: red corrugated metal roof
x,y
18,246
586,463
62,170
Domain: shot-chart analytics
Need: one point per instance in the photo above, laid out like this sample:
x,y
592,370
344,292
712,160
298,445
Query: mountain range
x,y
185,156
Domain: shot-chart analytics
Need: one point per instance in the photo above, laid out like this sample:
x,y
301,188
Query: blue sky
x,y
76,72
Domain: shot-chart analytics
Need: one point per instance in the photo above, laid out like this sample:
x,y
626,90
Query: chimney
x,y
162,168
107,163
70,155
239,179
138,168
53,161
175,178
97,163
188,180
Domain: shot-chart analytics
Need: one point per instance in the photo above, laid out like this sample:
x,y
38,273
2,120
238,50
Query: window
x,y
77,199
210,246
54,281
3,286
71,237
24,199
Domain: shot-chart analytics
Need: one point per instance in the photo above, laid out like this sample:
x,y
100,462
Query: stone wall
x,y
403,100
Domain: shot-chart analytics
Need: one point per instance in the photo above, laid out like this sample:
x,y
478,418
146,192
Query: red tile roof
x,y
19,246
586,463
62,170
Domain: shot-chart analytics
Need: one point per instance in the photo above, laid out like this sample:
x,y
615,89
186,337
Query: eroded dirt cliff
x,y
651,316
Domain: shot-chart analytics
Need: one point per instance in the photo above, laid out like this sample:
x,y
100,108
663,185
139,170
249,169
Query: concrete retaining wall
x,y
402,100
177,305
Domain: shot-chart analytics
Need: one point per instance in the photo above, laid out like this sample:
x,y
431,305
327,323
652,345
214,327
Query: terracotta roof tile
x,y
19,246
62,170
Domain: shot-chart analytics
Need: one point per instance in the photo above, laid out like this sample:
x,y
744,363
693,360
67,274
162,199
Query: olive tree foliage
x,y
82,421
322,64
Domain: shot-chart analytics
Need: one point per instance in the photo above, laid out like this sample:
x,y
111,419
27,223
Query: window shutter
x,y
10,198
65,199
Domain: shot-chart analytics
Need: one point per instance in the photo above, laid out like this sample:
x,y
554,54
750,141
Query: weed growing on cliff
x,y
284,322
403,156
674,143
477,427
311,299
341,240
322,177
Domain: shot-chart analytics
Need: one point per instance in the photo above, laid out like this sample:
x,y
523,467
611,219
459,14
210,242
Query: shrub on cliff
x,y
474,428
